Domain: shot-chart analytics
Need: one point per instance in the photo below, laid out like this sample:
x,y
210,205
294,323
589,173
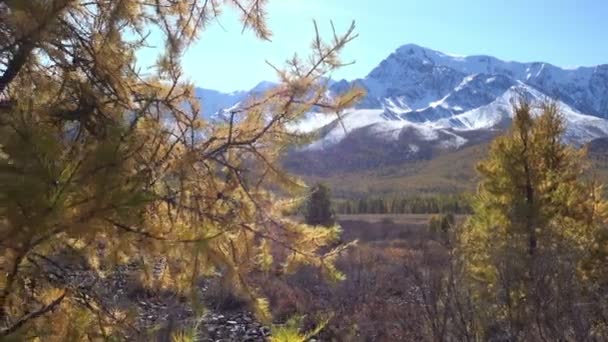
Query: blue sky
x,y
567,33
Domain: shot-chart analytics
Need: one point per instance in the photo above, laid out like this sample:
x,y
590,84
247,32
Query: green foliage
x,y
319,210
440,226
455,204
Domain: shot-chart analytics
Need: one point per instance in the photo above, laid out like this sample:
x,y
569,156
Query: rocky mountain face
x,y
413,75
422,102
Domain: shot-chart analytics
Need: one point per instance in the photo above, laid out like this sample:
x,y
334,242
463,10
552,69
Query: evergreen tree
x,y
319,211
116,165
440,226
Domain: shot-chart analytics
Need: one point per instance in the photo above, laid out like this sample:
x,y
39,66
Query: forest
x,y
126,214
455,204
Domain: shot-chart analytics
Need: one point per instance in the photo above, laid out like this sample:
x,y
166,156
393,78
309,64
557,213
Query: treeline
x,y
455,204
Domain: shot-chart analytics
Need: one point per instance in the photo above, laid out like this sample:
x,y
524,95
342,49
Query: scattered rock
x,y
165,310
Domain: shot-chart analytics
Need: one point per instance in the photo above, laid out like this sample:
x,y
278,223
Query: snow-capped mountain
x,y
412,74
429,92
418,97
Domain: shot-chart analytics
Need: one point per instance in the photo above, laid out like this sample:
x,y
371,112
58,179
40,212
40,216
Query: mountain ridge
x,y
421,103
567,84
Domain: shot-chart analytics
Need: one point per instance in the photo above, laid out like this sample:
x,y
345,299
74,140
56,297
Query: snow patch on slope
x,y
440,98
311,122
580,127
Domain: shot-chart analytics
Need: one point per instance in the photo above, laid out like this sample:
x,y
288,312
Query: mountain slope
x,y
369,138
441,91
449,172
411,68
422,105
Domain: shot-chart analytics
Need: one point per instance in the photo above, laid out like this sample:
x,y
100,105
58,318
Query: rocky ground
x,y
159,312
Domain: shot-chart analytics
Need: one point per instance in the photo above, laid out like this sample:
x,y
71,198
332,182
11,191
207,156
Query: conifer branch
x,y
33,315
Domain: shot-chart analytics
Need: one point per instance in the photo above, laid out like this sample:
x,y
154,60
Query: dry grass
x,y
380,300
448,173
407,221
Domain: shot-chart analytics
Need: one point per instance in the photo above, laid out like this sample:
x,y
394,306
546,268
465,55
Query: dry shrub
x,y
380,300
220,297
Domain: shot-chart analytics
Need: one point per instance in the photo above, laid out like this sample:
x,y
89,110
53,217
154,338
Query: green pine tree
x,y
318,207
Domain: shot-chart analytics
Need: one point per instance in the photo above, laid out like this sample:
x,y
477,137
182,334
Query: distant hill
x,y
450,172
445,173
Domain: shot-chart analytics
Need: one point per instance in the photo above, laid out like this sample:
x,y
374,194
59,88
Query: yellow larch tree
x,y
114,165
536,221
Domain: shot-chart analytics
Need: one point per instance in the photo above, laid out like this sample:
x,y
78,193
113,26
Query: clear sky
x,y
567,33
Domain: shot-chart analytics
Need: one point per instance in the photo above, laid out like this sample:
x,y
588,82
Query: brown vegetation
x,y
385,296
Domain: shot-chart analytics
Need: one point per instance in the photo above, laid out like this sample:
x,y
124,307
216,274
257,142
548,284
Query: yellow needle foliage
x,y
533,241
116,165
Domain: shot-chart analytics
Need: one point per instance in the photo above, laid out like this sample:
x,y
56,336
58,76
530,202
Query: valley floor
x,y
385,296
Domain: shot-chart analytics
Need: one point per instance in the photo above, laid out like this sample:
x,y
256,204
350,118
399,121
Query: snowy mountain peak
x,y
423,52
583,88
420,88
448,100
